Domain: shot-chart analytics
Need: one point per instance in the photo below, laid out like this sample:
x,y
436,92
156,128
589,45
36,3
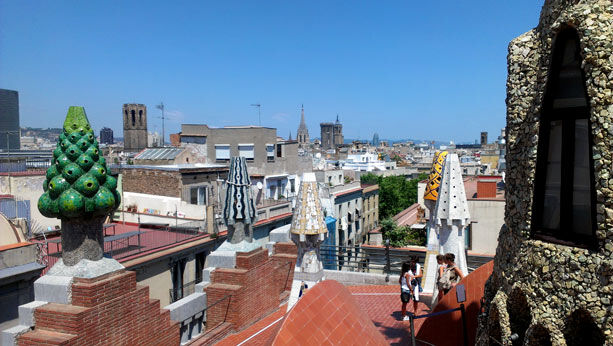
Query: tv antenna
x,y
259,114
161,106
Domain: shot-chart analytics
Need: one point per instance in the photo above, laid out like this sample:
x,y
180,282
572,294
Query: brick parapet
x,y
109,310
248,260
285,248
255,287
91,293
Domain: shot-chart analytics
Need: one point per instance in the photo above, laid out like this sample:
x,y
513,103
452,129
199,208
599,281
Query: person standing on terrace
x,y
415,275
405,290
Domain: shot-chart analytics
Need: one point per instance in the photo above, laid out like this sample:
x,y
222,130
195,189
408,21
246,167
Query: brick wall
x,y
153,182
109,310
256,287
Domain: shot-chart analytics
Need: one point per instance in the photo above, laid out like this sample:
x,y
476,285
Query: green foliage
x,y
422,176
348,179
395,192
395,195
387,225
369,179
402,236
77,185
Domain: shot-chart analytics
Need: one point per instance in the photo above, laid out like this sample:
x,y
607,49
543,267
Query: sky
x,y
404,69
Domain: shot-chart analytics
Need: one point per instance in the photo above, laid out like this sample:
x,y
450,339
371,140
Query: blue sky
x,y
404,69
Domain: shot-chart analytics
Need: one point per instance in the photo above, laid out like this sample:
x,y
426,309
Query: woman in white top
x,y
415,275
440,259
405,289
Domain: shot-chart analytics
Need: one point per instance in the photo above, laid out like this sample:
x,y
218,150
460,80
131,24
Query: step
x,y
45,337
60,317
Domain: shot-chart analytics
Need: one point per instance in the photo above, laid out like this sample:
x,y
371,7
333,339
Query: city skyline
x,y
210,62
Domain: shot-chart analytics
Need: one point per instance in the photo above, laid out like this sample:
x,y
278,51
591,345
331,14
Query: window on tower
x,y
133,113
564,197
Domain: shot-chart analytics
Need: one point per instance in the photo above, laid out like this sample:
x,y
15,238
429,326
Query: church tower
x,y
338,133
303,132
134,127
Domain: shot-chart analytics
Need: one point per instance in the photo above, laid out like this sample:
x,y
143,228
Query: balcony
x,y
123,242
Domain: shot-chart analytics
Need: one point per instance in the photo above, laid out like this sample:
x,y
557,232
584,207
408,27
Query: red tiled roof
x,y
451,323
381,303
327,314
407,217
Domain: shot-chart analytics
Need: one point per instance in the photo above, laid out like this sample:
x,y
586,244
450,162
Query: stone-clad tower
x,y
134,127
303,132
553,272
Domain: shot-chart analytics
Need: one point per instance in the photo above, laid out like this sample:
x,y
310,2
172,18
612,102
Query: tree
x,y
396,193
401,236
369,179
393,196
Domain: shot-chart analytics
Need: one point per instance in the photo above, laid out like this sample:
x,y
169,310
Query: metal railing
x,y
146,240
365,259
120,245
182,291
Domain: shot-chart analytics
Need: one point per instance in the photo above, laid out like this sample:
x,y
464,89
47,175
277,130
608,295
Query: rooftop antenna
x,y
161,106
259,115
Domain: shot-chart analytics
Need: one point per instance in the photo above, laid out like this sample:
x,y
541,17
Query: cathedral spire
x,y
302,123
303,133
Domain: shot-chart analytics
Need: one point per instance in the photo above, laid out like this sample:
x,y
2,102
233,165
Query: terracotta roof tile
x,y
327,314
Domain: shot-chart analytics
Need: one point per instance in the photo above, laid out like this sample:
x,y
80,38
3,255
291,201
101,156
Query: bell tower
x,y
134,126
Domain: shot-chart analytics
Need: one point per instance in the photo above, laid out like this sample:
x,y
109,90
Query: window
x,y
198,195
279,151
564,198
246,151
200,259
133,117
270,152
140,117
468,236
193,139
222,152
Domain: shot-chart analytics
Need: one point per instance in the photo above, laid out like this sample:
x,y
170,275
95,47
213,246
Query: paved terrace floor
x,y
150,240
380,302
